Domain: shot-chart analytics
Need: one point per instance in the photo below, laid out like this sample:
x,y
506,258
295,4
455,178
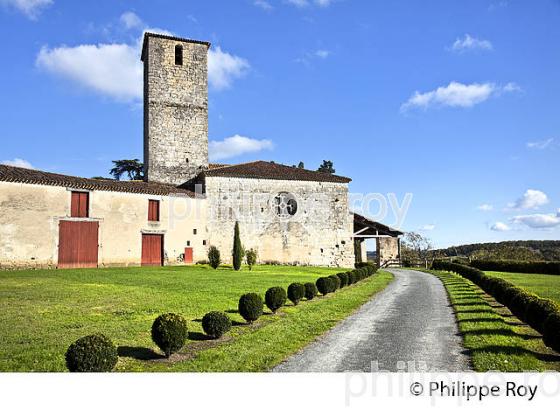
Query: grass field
x,y
42,312
546,286
495,339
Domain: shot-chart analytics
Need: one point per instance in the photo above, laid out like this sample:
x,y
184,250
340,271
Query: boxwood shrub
x,y
250,307
538,311
551,335
169,333
275,298
216,324
547,268
520,303
310,291
336,282
343,276
296,292
351,278
93,353
323,285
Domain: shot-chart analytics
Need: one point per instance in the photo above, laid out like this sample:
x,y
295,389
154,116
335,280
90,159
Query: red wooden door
x,y
78,244
188,255
152,250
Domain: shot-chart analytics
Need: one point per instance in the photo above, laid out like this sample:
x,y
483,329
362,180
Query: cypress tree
x,y
237,248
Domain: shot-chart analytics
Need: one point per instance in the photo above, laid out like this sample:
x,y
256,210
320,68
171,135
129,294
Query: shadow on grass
x,y
200,337
140,353
487,310
232,311
481,320
479,303
517,351
498,332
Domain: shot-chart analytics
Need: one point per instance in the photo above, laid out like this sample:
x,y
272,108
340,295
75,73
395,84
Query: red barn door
x,y
78,244
188,256
152,250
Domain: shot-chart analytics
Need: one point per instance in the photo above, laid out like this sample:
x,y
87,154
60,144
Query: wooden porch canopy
x,y
366,228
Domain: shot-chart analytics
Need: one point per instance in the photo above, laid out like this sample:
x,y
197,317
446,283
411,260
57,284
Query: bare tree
x,y
416,247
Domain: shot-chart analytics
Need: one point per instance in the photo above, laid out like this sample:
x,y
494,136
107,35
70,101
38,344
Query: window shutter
x,y
79,207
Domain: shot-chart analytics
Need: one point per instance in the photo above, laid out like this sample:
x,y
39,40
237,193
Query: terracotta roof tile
x,y
31,176
270,170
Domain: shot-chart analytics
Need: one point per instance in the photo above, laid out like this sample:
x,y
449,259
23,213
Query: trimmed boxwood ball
x,y
351,278
310,291
216,324
169,333
323,285
520,303
538,311
296,292
275,298
94,353
343,276
336,282
551,334
250,307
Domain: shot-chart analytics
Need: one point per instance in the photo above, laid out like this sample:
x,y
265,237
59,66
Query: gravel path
x,y
408,326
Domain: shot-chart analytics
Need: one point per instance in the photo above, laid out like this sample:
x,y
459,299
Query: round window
x,y
286,205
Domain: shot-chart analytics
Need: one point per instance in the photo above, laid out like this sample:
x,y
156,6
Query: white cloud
x,y
456,95
263,4
237,145
31,8
306,3
110,69
540,144
18,162
539,221
115,70
322,53
131,20
500,227
427,228
485,207
531,199
223,68
470,43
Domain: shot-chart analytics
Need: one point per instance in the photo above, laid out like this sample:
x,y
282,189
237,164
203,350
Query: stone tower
x,y
175,108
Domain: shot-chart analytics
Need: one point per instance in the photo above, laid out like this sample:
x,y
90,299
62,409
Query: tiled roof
x,y
214,166
31,176
270,170
361,221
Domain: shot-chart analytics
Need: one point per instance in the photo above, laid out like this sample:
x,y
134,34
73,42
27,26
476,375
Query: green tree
x,y
327,167
237,248
251,258
301,165
133,168
214,257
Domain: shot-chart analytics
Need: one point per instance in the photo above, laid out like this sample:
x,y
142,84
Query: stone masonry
x,y
175,109
320,233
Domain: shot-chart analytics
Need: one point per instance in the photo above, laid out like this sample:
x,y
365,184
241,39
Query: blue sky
x,y
455,102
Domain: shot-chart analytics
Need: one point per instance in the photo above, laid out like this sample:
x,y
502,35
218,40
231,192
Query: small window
x,y
286,205
178,55
153,211
80,205
204,242
188,243
194,231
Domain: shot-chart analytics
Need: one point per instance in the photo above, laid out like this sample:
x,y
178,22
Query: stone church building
x,y
185,204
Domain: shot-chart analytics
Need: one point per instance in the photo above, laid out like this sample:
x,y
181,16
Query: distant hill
x,y
511,250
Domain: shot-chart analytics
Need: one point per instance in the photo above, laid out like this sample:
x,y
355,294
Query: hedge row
x,y
541,314
97,353
546,268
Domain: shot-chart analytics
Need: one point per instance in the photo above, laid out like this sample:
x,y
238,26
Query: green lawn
x,y
546,286
42,312
495,339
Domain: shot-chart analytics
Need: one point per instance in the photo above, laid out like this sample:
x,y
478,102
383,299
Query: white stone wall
x,y
387,249
319,234
30,215
175,111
